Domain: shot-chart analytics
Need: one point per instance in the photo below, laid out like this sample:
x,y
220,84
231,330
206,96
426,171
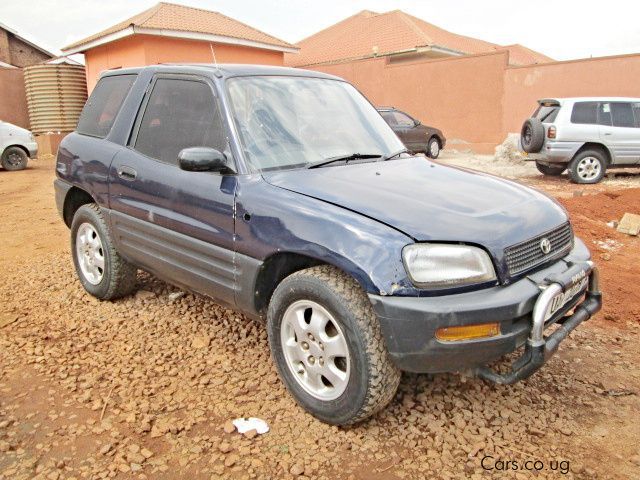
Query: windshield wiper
x,y
395,154
343,158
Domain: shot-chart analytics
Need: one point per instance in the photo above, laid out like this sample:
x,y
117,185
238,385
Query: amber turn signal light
x,y
468,332
551,132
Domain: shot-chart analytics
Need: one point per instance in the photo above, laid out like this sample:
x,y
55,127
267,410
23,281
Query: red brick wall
x,y
13,100
16,52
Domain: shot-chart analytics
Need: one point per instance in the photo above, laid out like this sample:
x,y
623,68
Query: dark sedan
x,y
415,136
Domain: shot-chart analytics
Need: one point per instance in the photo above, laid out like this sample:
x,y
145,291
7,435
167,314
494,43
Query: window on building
x,y
100,111
180,114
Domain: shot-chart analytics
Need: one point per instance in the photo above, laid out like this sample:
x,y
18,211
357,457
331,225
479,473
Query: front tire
x,y
588,167
551,170
328,348
14,158
433,148
101,270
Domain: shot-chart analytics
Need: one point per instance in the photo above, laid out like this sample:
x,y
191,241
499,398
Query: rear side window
x,y
585,112
403,120
389,118
179,114
622,115
100,111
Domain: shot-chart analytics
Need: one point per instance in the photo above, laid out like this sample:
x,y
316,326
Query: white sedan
x,y
17,146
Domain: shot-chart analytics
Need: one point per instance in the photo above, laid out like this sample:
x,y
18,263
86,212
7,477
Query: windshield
x,y
292,122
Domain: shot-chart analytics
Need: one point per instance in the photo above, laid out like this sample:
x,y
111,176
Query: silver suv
x,y
586,135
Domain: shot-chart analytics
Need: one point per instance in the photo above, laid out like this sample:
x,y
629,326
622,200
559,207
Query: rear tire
x,y
532,135
101,270
14,158
338,369
588,166
433,148
551,170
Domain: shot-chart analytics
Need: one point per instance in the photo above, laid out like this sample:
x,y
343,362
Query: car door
x,y
410,132
619,131
177,224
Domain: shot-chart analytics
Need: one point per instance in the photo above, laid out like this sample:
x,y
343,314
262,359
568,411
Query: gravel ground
x,y
144,387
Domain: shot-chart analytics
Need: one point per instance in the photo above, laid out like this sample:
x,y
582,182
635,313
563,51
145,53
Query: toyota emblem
x,y
545,245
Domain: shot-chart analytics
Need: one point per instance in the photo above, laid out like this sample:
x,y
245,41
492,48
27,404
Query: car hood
x,y
13,129
431,202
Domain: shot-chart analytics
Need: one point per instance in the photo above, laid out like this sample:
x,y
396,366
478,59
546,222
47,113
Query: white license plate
x,y
561,299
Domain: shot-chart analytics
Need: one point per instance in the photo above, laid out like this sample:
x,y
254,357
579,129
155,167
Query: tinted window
x,y
636,113
585,112
179,114
604,114
103,105
546,113
403,120
622,115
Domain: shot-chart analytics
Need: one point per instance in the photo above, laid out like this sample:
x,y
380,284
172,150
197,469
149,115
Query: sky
x,y
561,29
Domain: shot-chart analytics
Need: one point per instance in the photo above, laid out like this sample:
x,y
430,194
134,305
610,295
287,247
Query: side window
x,y
585,112
403,120
622,114
103,105
636,114
604,114
390,118
179,114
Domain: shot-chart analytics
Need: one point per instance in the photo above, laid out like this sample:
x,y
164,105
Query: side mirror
x,y
417,122
202,159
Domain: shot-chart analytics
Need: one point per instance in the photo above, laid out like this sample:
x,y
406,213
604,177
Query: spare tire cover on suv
x,y
532,135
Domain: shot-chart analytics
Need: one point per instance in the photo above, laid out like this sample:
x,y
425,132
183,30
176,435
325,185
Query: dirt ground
x,y
142,387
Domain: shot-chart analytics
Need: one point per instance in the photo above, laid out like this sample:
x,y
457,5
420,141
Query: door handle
x,y
127,173
608,133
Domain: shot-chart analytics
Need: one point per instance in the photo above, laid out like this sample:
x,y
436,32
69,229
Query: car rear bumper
x,y
555,152
61,189
409,324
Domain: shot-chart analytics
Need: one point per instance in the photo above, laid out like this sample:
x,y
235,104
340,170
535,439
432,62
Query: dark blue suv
x,y
284,194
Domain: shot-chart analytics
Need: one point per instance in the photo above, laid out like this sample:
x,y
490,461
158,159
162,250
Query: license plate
x,y
561,299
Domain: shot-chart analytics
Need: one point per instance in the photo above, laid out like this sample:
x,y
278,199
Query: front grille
x,y
528,254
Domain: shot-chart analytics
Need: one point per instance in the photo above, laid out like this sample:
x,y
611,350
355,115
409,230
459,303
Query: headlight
x,y
434,266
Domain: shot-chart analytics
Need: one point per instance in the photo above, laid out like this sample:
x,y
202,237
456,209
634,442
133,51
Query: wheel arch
x,y
280,265
17,145
74,199
595,146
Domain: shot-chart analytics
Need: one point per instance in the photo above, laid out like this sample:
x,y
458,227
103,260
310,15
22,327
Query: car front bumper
x,y
32,147
409,324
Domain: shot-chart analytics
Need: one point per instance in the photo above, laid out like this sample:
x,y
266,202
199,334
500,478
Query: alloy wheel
x,y
589,168
90,253
315,350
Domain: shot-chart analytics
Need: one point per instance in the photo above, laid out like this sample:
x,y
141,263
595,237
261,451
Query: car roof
x,y
224,70
562,100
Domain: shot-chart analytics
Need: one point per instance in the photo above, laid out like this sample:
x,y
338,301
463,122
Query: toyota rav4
x,y
284,194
